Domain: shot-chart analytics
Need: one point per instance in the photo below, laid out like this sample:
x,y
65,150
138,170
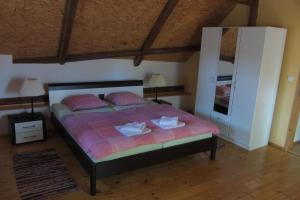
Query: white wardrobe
x,y
241,102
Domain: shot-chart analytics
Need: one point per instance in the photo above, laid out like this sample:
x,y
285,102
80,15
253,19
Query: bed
x,y
102,151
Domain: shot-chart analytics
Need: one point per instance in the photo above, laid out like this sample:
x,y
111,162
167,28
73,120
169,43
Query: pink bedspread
x,y
96,134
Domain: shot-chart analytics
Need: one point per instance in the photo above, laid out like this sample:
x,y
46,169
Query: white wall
x,y
297,135
12,75
190,82
238,16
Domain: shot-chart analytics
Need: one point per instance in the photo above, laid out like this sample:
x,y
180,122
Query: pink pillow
x,y
124,98
83,102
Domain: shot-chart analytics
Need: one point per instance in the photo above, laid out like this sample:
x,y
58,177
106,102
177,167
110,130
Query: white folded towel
x,y
168,121
134,128
157,123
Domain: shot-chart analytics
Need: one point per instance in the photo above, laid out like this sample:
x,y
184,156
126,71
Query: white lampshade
x,y
157,80
31,88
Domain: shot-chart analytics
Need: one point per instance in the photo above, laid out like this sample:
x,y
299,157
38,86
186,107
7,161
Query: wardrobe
x,y
237,84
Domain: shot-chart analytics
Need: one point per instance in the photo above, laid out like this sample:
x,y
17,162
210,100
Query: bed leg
x,y
93,178
213,149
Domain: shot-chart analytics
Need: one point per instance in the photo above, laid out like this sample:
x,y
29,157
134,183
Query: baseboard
x,y
276,146
297,142
243,146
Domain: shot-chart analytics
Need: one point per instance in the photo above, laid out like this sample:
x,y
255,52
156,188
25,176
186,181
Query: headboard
x,y
58,91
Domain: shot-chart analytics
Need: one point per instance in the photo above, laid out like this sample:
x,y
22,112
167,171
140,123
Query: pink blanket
x,y
96,134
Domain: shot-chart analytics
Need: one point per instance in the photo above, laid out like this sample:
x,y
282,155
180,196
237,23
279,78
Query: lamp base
x,y
160,101
30,115
156,101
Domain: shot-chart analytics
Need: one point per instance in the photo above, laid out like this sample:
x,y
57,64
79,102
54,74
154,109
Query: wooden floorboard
x,y
267,173
296,149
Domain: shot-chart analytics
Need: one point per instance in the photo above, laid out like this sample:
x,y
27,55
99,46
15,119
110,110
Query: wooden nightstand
x,y
24,128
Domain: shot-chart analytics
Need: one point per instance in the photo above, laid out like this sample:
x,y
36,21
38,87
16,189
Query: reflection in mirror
x,y
228,44
225,70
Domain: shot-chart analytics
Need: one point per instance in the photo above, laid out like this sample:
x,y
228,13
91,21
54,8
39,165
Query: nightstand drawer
x,y
28,126
29,136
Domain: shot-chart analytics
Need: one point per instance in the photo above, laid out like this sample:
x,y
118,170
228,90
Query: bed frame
x,y
117,166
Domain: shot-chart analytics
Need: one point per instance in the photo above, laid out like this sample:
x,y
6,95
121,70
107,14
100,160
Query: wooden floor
x,y
296,148
267,173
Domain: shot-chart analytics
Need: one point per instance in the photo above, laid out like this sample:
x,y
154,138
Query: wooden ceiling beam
x,y
128,53
116,54
42,60
66,30
169,50
111,54
245,2
227,58
166,12
253,13
102,55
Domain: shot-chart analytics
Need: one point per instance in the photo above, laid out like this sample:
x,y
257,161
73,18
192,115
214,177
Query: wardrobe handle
x,y
220,119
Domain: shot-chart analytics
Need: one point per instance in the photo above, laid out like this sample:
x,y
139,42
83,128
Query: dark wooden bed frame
x,y
119,165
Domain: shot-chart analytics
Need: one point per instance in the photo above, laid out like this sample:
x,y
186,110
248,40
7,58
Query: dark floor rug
x,y
41,174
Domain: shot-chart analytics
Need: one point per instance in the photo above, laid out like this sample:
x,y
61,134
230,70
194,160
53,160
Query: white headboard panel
x,y
58,91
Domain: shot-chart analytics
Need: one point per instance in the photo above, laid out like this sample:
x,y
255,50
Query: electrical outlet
x,y
290,78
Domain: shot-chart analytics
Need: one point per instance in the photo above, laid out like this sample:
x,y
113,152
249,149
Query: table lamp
x,y
157,80
32,88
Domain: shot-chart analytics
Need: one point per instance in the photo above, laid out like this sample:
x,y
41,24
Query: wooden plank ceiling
x,y
60,31
30,28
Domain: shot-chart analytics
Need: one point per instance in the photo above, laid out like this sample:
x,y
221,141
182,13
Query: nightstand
x,y
160,101
26,128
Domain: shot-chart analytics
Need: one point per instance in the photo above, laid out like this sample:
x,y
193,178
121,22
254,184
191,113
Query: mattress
x,y
152,147
96,135
185,140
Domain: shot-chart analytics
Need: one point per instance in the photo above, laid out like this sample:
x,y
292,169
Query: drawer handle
x,y
29,137
220,119
32,126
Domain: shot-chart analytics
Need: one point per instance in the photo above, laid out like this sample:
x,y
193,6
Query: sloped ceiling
x,y
107,25
33,29
184,25
30,28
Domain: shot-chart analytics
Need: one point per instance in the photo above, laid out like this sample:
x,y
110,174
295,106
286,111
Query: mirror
x,y
225,70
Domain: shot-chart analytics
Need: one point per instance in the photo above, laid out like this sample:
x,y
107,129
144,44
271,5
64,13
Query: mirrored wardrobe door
x,y
225,72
